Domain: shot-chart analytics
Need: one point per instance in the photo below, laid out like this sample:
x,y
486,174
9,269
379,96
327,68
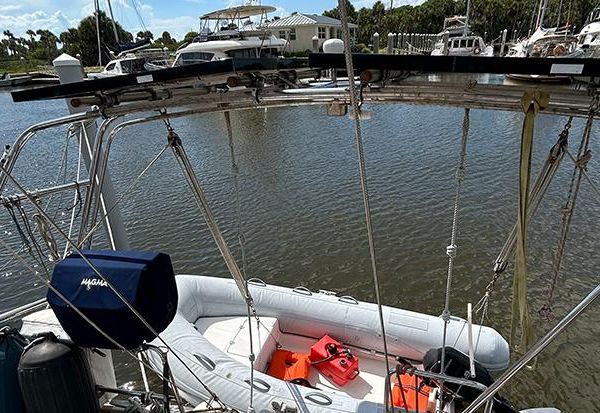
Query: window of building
x,y
322,33
282,34
292,34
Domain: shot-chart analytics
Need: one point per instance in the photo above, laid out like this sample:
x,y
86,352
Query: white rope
x,y
363,180
452,248
249,306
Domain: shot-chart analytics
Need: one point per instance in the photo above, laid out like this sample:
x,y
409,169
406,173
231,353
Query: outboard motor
x,y
11,348
56,378
145,279
458,365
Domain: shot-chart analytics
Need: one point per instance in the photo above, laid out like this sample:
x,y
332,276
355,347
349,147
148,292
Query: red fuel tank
x,y
335,361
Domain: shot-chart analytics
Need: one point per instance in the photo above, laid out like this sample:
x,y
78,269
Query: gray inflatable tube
x,y
306,314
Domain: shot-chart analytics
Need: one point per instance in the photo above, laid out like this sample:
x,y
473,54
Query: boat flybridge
x,y
229,33
240,344
456,40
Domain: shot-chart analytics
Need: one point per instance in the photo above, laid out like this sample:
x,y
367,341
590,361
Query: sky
x,y
175,16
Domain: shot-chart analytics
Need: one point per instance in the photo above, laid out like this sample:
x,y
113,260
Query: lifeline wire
x,y
363,179
108,283
77,310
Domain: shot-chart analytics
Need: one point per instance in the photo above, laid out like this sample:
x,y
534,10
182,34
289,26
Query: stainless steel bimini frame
x,y
563,102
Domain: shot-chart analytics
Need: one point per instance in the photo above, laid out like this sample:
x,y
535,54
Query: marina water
x,y
303,222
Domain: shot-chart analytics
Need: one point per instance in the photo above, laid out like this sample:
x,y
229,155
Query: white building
x,y
299,29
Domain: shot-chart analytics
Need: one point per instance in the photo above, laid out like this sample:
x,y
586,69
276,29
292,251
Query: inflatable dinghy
x,y
210,333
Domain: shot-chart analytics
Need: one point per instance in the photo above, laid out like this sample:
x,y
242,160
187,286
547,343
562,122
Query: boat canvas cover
x,y
144,279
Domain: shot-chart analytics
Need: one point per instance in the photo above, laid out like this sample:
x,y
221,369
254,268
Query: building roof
x,y
302,19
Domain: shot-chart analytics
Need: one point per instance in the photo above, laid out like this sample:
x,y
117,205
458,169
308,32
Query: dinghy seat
x,y
230,335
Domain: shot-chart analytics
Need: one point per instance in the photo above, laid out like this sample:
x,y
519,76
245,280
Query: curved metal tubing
x,y
28,133
536,349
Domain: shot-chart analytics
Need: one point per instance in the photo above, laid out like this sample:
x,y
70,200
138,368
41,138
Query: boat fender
x,y
12,345
458,365
477,50
55,377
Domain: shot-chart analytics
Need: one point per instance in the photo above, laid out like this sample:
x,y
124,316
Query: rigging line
x,y
62,171
451,249
68,302
108,283
77,199
29,231
540,188
363,180
235,170
583,155
125,193
593,185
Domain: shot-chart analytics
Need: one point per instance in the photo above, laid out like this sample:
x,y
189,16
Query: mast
x,y
97,13
540,19
466,29
112,20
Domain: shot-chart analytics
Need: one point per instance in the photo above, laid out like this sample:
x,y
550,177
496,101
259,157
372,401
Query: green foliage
x,y
83,40
491,16
165,40
145,35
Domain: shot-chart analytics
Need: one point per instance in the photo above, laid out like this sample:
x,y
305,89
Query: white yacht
x,y
232,35
554,42
455,40
589,37
134,61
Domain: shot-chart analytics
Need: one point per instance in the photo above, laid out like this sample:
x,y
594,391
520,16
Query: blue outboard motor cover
x,y
145,279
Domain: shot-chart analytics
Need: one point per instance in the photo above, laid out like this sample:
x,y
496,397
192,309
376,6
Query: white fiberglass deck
x,y
230,335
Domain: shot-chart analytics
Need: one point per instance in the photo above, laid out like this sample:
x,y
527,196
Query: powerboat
x,y
232,35
589,37
456,40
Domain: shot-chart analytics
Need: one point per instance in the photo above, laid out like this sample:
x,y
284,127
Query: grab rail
x,y
265,386
206,362
257,281
302,290
348,299
319,398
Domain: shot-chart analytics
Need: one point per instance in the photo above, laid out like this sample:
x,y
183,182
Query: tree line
x,y
486,17
81,40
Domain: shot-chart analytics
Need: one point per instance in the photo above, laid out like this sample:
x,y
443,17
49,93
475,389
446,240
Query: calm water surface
x,y
302,217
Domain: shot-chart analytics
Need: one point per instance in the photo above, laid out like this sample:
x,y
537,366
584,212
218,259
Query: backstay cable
x,y
363,178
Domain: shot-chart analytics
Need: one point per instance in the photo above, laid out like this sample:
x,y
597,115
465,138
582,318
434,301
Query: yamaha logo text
x,y
93,282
